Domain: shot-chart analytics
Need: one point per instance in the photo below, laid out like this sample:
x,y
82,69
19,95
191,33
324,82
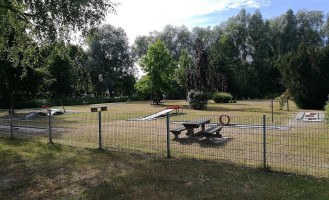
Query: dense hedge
x,y
37,103
222,97
198,100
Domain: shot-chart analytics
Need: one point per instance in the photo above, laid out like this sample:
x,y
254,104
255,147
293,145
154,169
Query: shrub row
x,y
222,97
37,103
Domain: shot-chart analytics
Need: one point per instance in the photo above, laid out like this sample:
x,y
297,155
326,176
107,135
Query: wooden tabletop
x,y
196,123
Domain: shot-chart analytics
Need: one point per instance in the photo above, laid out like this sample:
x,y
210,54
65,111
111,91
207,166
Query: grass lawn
x,y
241,108
40,171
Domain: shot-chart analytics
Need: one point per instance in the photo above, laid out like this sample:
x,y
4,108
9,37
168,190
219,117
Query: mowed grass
x,y
42,171
241,108
251,108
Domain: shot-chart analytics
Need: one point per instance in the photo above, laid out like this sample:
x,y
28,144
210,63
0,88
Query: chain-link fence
x,y
286,144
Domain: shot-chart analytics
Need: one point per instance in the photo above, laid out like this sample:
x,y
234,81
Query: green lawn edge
x,y
31,170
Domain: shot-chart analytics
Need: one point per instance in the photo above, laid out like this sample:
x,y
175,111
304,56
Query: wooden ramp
x,y
153,116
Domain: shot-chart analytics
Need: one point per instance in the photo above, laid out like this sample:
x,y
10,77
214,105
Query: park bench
x,y
95,108
209,132
177,131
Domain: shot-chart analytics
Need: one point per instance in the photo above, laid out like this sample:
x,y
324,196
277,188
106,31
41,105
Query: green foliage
x,y
111,63
61,70
28,26
46,20
281,100
306,74
52,20
175,38
144,87
67,101
222,97
198,100
224,58
159,66
185,64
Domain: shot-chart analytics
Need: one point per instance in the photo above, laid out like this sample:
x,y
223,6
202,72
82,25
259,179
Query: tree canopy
x,y
111,58
257,57
28,26
159,66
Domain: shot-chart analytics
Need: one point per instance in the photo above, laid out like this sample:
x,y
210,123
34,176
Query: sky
x,y
139,17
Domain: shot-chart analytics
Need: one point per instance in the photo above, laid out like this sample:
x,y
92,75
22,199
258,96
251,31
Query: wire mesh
x,y
21,126
239,145
5,126
123,132
291,146
298,146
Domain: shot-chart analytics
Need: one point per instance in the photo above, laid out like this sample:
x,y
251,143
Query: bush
x,y
306,74
222,97
281,100
198,100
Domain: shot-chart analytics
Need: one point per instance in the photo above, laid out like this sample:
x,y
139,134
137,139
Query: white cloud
x,y
139,17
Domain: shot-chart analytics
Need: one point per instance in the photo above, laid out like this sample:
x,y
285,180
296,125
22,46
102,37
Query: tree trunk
x,y
11,98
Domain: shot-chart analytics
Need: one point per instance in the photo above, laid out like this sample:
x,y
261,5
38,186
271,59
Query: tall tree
x,y
111,58
185,64
305,72
258,42
289,33
176,38
159,66
18,55
225,58
27,25
140,46
309,24
61,70
80,70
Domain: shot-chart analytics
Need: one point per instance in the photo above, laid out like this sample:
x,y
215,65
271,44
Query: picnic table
x,y
213,131
191,125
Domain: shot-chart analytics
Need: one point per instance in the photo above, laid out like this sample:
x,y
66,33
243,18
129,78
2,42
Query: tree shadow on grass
x,y
203,142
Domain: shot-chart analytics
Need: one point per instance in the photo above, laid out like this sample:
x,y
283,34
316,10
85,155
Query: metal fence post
x,y
50,127
272,109
168,137
264,141
100,129
11,124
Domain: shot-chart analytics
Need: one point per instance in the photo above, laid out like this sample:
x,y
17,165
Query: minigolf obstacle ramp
x,y
152,116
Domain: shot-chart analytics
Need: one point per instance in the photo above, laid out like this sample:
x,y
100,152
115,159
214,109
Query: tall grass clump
x,y
222,97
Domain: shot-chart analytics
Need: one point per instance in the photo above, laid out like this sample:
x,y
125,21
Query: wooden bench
x,y
209,132
95,108
177,131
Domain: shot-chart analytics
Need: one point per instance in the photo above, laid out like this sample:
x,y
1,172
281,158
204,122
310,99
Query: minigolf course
x,y
158,115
